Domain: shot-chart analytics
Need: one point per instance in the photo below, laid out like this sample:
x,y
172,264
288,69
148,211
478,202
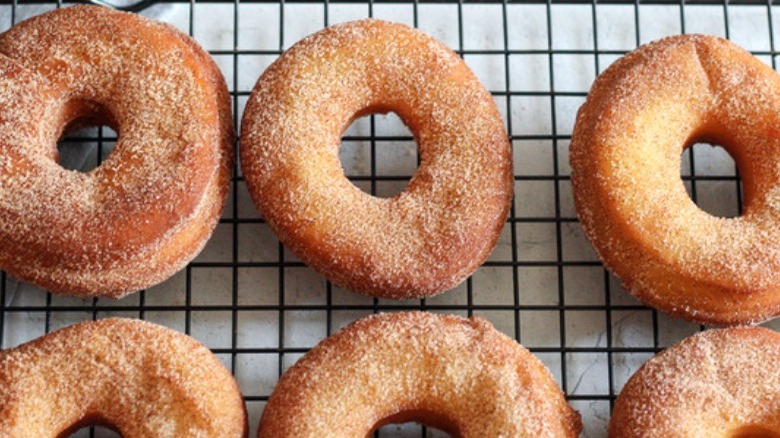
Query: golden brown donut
x,y
443,225
459,375
641,113
718,383
150,207
140,379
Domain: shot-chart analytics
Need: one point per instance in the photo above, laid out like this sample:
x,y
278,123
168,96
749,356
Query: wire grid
x,y
259,308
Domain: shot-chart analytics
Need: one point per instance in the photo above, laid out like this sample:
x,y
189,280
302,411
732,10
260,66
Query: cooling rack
x,y
259,308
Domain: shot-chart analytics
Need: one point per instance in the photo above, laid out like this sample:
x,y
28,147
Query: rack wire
x,y
259,308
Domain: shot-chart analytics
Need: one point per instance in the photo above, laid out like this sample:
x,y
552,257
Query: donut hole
x,y
711,178
412,429
93,426
378,154
88,136
753,431
404,424
93,432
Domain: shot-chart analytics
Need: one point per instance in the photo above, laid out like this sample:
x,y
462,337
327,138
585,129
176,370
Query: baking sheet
x,y
260,309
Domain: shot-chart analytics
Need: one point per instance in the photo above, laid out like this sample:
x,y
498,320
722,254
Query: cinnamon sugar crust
x,y
718,383
151,205
443,225
141,379
459,375
625,155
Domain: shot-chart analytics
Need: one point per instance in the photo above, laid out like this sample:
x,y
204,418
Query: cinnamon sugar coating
x,y
443,225
138,378
625,155
150,206
718,383
459,375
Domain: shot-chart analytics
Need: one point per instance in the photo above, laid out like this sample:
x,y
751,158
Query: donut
x,y
148,209
138,378
625,154
446,222
456,374
717,383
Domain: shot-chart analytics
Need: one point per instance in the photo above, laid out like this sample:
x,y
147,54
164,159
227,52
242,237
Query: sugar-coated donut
x,y
149,208
443,225
459,375
718,383
625,156
138,378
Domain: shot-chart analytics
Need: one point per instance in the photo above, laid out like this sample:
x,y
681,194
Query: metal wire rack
x,y
259,308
